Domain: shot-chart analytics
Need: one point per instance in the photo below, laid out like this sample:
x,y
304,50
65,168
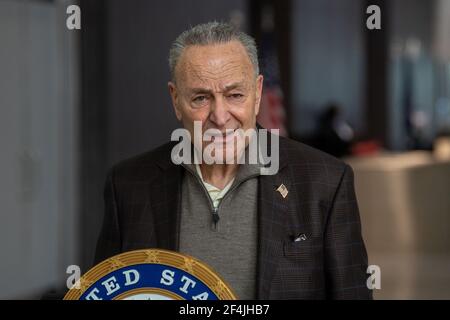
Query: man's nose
x,y
219,112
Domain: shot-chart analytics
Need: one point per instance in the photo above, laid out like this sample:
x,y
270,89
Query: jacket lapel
x,y
166,200
272,217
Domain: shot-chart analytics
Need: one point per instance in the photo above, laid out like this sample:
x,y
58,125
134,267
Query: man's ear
x,y
175,99
259,87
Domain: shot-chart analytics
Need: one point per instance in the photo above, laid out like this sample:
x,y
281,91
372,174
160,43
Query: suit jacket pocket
x,y
301,251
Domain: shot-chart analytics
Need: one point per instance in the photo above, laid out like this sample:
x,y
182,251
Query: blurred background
x,y
74,102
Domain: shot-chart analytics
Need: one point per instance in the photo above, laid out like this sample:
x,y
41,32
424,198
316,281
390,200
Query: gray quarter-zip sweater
x,y
230,246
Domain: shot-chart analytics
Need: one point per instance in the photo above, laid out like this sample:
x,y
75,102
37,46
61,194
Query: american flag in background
x,y
271,113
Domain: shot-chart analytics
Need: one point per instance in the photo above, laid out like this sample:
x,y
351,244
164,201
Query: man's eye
x,y
236,95
200,99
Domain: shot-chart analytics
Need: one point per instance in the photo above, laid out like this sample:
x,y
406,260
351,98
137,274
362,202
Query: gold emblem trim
x,y
153,256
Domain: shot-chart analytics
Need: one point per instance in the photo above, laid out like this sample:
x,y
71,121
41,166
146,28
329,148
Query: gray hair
x,y
212,33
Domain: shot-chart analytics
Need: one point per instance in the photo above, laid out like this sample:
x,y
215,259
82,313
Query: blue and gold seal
x,y
151,274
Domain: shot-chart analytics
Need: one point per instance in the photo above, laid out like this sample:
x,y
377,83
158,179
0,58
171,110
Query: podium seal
x,y
150,274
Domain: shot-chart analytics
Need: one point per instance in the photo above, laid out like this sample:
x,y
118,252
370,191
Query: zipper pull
x,y
215,217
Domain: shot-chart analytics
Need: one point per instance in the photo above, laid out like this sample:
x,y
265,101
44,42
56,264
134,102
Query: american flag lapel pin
x,y
283,190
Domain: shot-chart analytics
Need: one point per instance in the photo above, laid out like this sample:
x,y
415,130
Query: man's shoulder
x,y
303,157
144,165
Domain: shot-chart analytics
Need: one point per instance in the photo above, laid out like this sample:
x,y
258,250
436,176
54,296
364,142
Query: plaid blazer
x,y
143,206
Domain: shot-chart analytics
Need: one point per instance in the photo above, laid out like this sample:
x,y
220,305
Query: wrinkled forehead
x,y
215,65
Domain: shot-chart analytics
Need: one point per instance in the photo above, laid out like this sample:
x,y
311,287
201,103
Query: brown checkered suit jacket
x,y
142,210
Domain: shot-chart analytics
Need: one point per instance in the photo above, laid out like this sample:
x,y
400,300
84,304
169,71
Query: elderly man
x,y
294,234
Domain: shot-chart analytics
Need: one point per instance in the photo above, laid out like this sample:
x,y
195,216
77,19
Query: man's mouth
x,y
223,137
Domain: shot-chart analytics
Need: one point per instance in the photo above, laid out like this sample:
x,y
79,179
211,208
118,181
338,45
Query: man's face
x,y
216,85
